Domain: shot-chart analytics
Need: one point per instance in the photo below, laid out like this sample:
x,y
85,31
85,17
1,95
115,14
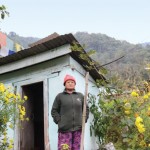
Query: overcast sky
x,y
122,19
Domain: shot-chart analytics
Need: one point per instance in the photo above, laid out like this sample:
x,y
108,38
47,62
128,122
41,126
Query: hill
x,y
24,41
131,67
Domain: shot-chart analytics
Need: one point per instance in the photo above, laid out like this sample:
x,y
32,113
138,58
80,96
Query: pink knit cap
x,y
69,77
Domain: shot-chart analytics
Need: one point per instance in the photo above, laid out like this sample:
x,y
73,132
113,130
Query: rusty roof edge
x,y
50,37
48,45
29,51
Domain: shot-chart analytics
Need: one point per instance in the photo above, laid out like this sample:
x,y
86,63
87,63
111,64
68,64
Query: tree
x,y
3,12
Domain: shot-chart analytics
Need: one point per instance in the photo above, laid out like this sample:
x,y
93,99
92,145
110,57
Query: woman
x,y
67,113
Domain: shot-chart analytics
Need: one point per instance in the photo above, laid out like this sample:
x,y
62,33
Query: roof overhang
x,y
35,59
47,50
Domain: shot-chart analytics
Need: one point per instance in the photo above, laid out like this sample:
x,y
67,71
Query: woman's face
x,y
70,85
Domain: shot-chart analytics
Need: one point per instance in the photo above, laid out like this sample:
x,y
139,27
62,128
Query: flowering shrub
x,y
11,109
122,119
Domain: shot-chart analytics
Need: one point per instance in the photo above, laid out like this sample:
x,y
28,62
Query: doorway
x,y
32,132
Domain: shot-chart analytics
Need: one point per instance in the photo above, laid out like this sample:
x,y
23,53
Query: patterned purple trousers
x,y
72,139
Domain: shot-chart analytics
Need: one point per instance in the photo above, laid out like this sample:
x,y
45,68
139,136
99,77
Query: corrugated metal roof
x,y
57,41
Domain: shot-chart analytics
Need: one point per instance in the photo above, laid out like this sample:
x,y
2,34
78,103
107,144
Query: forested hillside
x,y
131,67
24,41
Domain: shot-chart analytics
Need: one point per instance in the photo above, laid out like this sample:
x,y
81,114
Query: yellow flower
x,y
145,96
18,96
27,119
141,128
22,112
19,106
5,133
2,87
10,146
21,118
11,141
148,93
4,141
139,124
127,112
142,143
25,97
127,106
14,96
139,119
9,95
134,94
125,101
6,100
11,126
5,120
23,108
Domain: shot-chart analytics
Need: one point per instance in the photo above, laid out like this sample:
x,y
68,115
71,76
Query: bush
x,y
122,119
11,109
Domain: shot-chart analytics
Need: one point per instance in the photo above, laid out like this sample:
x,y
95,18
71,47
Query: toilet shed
x,y
38,72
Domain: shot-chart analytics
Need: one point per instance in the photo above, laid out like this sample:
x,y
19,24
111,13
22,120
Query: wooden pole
x,y
84,111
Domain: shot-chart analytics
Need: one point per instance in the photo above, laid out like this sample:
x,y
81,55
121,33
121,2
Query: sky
x,y
121,19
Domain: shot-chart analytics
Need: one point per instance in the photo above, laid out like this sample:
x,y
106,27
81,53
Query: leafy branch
x,y
3,11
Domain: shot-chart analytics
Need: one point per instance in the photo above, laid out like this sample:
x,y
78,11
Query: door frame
x,y
18,88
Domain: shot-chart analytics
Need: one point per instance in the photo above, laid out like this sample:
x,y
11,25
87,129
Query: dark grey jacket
x,y
67,111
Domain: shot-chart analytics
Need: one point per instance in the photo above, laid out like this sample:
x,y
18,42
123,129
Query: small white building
x,y
38,72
